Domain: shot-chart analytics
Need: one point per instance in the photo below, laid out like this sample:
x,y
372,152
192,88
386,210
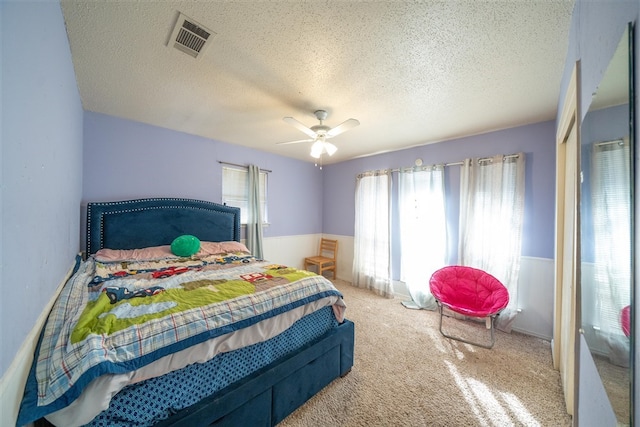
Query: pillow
x,y
185,245
163,252
215,248
142,254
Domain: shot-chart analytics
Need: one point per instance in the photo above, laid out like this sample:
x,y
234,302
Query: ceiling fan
x,y
320,133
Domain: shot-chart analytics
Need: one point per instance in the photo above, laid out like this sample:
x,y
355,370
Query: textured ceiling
x,y
412,73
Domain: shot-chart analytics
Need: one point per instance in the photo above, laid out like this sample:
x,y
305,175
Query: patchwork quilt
x,y
117,316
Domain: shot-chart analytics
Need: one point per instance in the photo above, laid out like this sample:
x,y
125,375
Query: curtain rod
x,y
242,166
485,159
619,141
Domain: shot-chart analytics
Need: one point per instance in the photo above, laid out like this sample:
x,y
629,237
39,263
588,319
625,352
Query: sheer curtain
x,y
491,218
254,220
372,243
423,231
611,204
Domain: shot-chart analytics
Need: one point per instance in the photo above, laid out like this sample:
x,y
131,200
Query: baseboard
x,y
531,333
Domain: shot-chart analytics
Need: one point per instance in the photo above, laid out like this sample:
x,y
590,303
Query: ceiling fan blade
x,y
298,125
295,142
343,127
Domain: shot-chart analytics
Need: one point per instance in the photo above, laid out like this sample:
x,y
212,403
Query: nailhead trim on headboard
x,y
147,205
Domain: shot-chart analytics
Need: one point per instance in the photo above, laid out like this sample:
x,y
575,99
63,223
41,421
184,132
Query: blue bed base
x,y
269,395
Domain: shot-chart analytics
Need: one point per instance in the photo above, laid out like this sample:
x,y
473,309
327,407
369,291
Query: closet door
x,y
567,241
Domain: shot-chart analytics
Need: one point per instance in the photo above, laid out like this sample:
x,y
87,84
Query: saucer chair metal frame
x,y
470,292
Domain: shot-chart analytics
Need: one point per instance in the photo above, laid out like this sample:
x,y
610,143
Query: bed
x,y
143,336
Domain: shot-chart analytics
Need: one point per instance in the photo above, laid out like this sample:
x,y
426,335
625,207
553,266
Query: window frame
x,y
235,197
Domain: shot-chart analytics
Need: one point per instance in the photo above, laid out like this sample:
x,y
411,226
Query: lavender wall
x,y
41,166
125,160
536,141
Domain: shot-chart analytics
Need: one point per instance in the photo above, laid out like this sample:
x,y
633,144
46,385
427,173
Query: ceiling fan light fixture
x,y
330,148
316,149
321,147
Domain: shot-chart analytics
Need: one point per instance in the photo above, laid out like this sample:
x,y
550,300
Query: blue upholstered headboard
x,y
141,223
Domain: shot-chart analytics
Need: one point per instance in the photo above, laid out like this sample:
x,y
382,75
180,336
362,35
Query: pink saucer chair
x,y
471,292
625,320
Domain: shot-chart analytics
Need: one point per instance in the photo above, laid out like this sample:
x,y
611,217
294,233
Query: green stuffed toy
x,y
185,245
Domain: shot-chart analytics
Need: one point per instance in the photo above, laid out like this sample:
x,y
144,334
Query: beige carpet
x,y
407,374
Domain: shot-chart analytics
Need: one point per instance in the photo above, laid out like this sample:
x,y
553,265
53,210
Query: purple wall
x,y
41,166
125,160
537,141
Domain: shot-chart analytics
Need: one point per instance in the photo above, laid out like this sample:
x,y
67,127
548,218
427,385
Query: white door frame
x,y
567,274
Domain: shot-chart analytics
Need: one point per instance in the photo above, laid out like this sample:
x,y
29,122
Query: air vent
x,y
190,37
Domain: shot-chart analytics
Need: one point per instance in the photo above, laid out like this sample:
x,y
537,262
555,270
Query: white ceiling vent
x,y
190,37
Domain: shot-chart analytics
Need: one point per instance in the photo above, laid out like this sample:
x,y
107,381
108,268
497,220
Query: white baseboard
x,y
400,290
536,334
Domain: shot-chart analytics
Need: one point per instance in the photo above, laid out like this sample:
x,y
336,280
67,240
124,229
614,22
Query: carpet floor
x,y
406,373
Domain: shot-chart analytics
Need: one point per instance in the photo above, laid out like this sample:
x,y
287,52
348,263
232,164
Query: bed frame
x,y
267,396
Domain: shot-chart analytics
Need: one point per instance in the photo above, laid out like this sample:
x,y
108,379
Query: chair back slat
x,y
328,248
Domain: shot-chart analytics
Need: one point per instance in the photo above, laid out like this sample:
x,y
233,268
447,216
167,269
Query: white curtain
x,y
491,218
372,243
611,205
254,220
423,231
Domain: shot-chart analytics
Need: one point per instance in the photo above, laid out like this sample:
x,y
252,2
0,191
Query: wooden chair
x,y
326,259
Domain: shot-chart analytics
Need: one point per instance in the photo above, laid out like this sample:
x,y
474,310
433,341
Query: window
x,y
612,208
235,192
491,222
371,260
423,230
